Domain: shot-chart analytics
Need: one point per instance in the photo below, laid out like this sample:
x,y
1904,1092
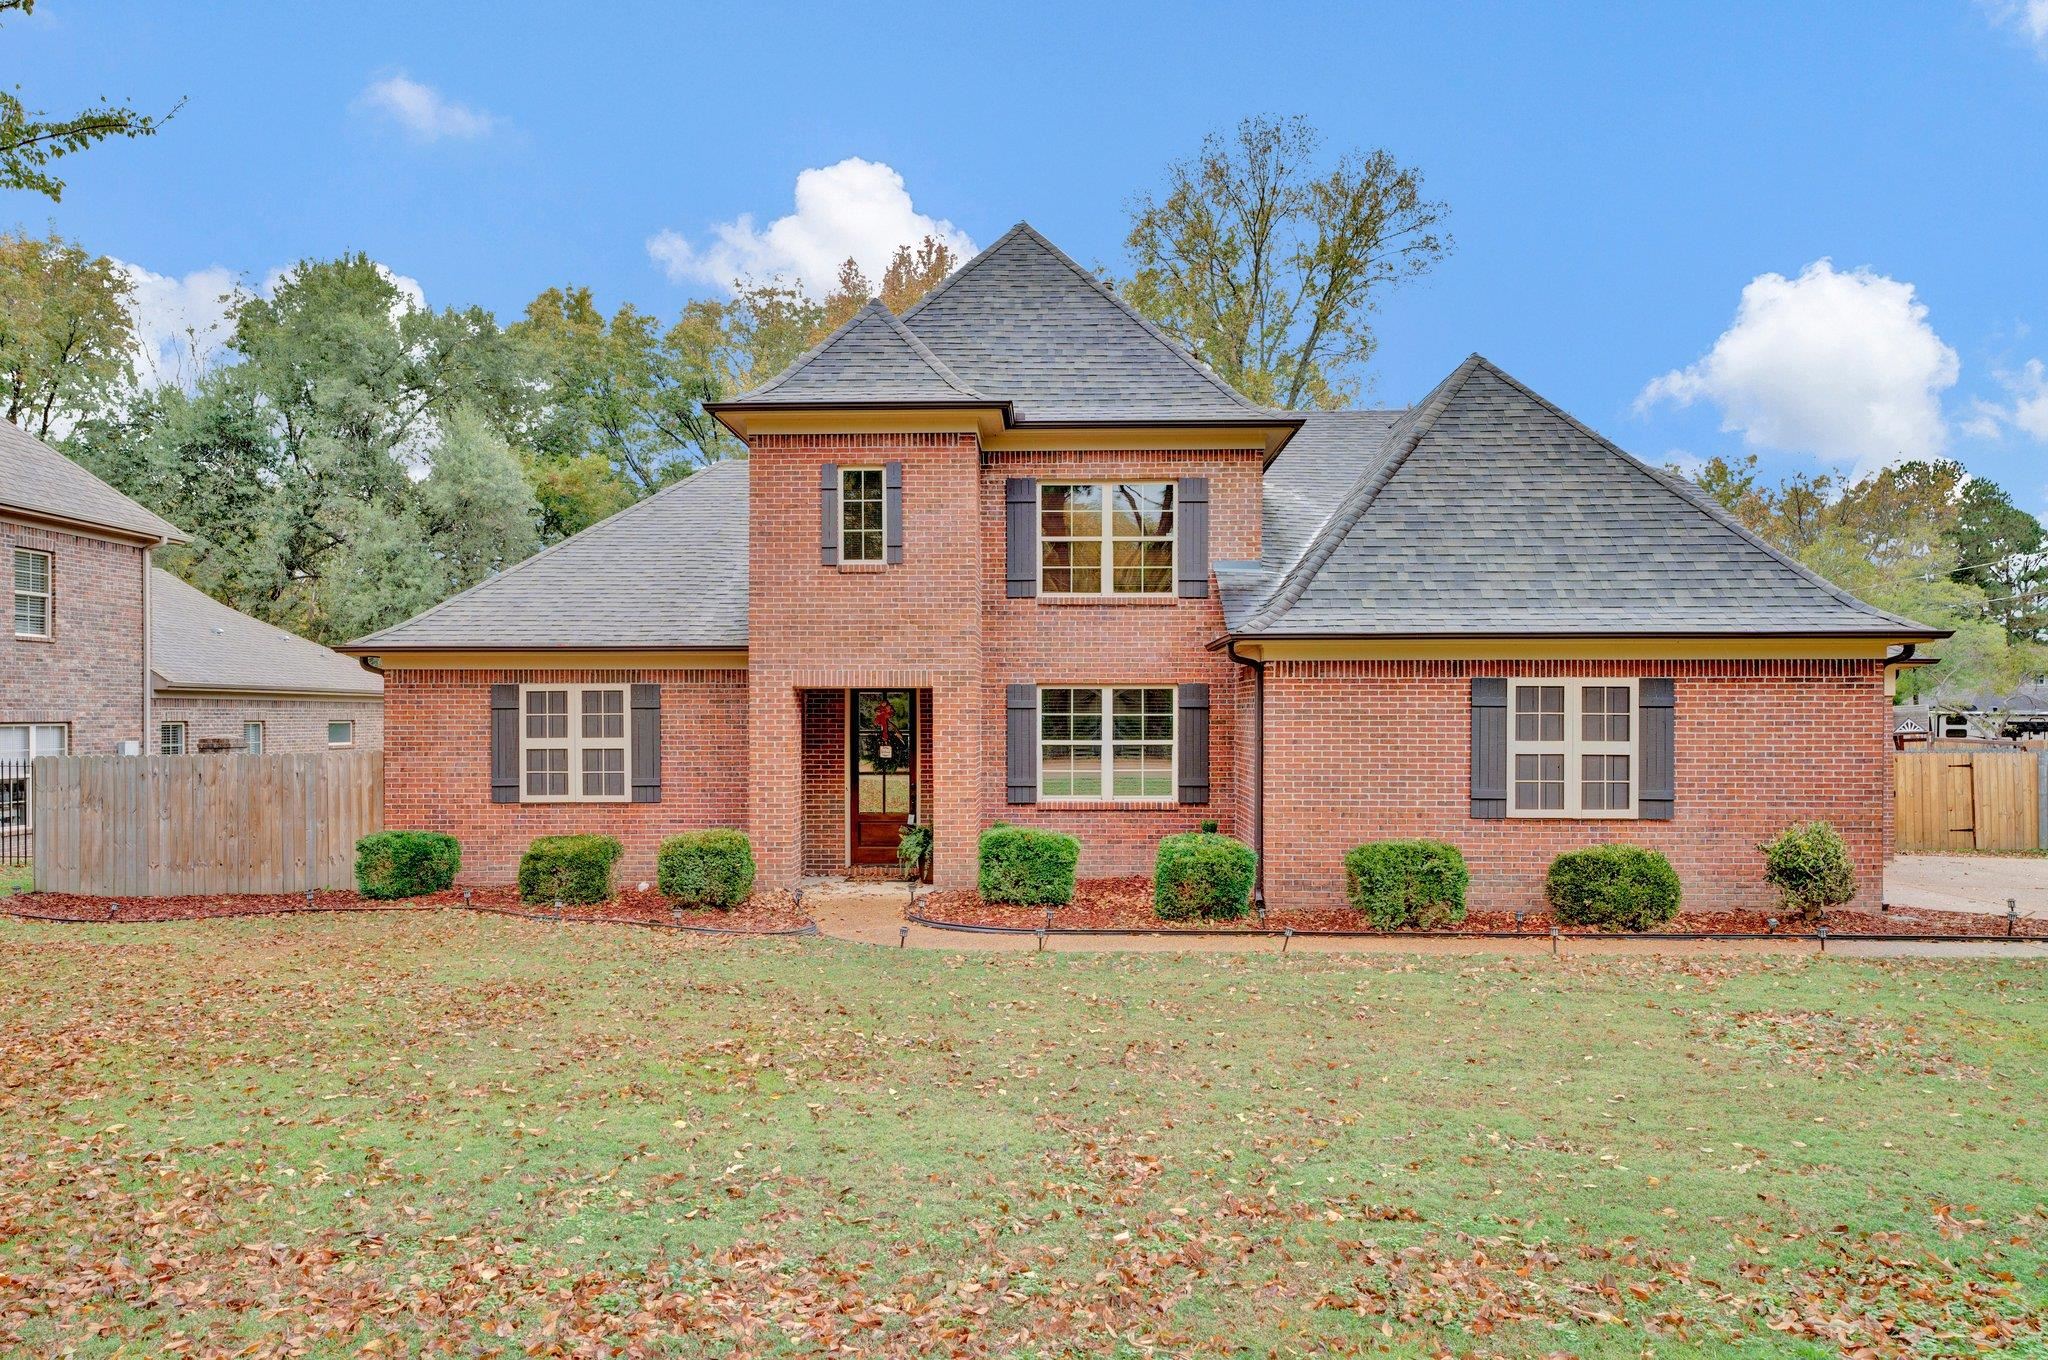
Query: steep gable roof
x,y
37,480
196,642
1491,511
870,359
669,572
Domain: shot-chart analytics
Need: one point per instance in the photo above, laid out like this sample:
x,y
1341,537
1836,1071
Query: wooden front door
x,y
883,762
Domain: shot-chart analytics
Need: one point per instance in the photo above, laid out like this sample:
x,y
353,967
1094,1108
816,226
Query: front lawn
x,y
15,878
492,1137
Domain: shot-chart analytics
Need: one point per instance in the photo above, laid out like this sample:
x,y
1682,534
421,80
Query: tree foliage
x,y
30,139
65,333
1270,267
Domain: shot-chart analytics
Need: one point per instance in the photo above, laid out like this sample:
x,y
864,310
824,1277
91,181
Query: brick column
x,y
775,768
955,803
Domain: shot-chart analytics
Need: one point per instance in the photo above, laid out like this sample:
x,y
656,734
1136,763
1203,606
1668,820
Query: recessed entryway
x,y
882,772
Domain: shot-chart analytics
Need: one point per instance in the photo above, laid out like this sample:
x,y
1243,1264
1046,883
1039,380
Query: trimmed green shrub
x,y
706,868
1405,884
406,863
1809,866
1202,876
1033,868
914,850
1612,887
568,869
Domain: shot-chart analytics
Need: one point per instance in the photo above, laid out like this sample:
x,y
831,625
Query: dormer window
x,y
1105,538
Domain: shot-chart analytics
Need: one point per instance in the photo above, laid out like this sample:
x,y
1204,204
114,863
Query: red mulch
x,y
764,913
1126,904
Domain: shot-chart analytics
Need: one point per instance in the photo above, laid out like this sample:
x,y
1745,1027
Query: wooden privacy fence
x,y
1970,800
163,826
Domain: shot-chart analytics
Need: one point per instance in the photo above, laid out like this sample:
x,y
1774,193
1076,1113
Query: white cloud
x,y
2028,18
1688,463
856,208
423,111
179,322
1841,365
2024,410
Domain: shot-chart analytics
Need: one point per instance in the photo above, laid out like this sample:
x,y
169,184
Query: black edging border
x,y
808,928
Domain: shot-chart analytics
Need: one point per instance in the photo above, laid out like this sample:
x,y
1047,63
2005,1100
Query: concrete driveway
x,y
1969,883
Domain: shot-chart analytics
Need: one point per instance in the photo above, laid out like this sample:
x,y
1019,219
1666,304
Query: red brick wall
x,y
1046,642
90,674
437,765
1370,750
289,725
825,781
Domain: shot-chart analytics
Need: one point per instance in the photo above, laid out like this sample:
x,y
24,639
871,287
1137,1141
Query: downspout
x,y
1258,669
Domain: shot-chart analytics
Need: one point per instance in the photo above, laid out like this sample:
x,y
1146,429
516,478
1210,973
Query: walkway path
x,y
1969,883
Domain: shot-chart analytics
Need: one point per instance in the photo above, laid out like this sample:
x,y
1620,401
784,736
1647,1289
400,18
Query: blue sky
x,y
1642,202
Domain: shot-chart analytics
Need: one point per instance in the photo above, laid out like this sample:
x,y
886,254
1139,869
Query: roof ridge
x,y
944,285
1695,498
1419,418
922,350
553,548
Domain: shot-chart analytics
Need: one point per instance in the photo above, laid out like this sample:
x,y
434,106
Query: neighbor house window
x,y
573,743
252,738
170,739
32,593
1105,743
20,743
860,515
1105,538
341,732
1571,748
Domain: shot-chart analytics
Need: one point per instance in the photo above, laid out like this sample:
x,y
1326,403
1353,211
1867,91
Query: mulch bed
x,y
1126,904
763,914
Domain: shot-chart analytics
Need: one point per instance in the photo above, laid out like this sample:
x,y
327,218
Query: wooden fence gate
x,y
1969,800
156,826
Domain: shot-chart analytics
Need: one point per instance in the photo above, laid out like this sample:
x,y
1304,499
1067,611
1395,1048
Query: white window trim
x,y
184,738
1105,578
63,730
334,745
48,594
262,737
882,479
576,743
1575,745
1108,794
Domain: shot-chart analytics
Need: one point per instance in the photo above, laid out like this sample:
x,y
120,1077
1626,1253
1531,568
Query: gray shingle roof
x,y
1307,479
669,572
871,358
196,642
1490,511
41,481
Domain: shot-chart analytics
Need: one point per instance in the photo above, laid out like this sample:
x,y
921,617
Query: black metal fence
x,y
16,834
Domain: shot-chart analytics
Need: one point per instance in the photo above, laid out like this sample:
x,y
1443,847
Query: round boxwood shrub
x,y
1404,884
568,869
406,863
1612,887
1202,876
1809,866
706,868
1032,868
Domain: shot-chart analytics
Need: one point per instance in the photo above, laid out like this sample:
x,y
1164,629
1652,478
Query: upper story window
x,y
1572,748
32,593
860,515
573,744
1105,538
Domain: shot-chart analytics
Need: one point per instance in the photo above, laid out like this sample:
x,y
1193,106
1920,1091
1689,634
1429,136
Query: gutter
x,y
1258,743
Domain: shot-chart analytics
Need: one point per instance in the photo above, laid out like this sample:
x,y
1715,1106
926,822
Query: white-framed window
x,y
572,743
1572,748
34,594
341,732
170,739
19,744
1111,742
861,538
252,738
1105,538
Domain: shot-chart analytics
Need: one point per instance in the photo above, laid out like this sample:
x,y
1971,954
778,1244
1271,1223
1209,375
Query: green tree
x,y
30,139
913,273
2002,550
1270,267
478,509
66,337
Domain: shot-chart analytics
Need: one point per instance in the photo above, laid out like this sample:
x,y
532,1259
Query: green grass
x,y
474,1135
15,879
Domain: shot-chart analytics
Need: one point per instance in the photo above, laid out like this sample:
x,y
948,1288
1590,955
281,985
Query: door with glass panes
x,y
883,761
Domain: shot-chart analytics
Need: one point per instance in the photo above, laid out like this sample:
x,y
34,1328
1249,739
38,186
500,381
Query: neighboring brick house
x,y
108,655
1018,556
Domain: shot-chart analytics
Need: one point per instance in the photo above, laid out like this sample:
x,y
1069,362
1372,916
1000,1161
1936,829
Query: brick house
x,y
1017,556
109,655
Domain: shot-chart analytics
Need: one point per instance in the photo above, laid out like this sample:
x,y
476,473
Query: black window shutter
x,y
645,742
1489,746
828,515
1656,748
1191,518
504,743
1023,743
1192,737
1020,520
892,509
